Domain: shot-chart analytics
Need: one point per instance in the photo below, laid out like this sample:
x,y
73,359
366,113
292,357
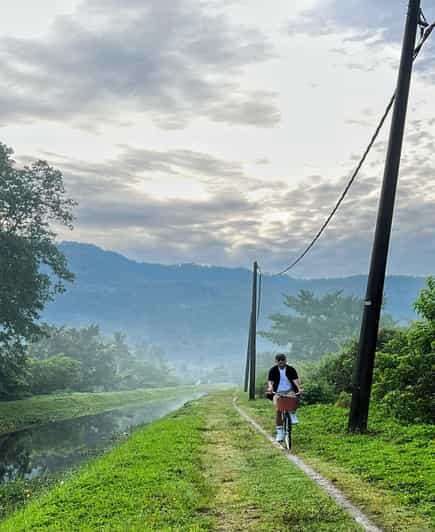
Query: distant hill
x,y
192,311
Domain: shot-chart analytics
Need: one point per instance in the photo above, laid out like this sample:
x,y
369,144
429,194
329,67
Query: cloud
x,y
374,23
172,60
243,218
364,17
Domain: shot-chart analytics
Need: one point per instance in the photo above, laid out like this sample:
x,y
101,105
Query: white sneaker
x,y
294,418
279,434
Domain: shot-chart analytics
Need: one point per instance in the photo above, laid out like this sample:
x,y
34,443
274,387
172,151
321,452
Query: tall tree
x,y
32,269
316,324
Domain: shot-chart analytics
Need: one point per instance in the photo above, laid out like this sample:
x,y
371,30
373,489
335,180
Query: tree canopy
x,y
32,200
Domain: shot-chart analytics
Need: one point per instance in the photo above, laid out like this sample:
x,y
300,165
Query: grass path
x,y
255,487
201,469
389,474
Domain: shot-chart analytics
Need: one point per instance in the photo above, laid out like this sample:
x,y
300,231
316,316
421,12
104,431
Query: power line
x,y
426,30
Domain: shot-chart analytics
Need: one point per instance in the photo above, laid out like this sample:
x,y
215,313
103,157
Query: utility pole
x,y
375,287
253,335
248,356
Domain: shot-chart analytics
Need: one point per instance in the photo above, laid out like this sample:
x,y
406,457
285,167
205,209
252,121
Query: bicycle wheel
x,y
287,430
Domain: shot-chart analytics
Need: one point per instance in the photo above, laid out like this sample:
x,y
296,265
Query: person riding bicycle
x,y
283,379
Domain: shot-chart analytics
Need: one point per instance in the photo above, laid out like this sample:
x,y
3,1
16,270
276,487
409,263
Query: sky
x,y
222,131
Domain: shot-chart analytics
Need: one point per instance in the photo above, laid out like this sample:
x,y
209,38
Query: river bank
x,y
37,410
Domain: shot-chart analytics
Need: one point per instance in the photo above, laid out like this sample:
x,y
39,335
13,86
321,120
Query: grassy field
x,y
203,468
15,415
390,472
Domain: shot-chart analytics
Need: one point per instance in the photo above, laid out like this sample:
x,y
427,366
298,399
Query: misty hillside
x,y
189,310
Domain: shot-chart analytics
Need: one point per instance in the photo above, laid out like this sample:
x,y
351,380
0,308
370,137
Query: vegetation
x,y
316,324
151,482
402,383
198,469
69,359
388,472
31,200
15,415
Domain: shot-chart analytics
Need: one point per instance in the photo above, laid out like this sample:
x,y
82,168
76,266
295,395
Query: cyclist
x,y
283,379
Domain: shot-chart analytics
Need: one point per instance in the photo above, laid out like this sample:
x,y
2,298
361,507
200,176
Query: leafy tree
x,y
105,363
316,324
403,379
56,372
32,199
336,369
85,345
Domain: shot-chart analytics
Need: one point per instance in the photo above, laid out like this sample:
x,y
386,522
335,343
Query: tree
x,y
85,345
32,199
403,378
58,372
317,324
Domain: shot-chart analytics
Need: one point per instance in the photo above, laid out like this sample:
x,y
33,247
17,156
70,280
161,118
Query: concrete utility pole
x,y
375,286
253,335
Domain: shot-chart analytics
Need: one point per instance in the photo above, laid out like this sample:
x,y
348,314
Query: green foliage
x,y
85,345
316,324
425,304
104,363
404,369
32,199
317,392
57,372
344,400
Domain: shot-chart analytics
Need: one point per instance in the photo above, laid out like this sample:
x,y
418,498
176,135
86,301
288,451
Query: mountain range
x,y
192,311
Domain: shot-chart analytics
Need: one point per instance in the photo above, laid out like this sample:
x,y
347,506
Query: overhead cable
x,y
426,30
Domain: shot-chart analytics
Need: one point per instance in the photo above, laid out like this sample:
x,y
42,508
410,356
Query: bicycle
x,y
286,404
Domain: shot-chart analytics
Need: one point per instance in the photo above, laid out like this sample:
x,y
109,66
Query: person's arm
x,y
270,381
299,385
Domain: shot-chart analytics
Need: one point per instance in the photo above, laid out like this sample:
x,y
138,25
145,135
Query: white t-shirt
x,y
284,384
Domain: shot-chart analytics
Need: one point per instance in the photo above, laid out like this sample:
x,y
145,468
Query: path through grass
x,y
203,468
389,473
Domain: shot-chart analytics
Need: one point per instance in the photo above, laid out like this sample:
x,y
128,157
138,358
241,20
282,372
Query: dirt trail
x,y
223,460
254,487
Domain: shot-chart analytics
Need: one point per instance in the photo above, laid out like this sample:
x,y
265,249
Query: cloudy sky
x,y
221,131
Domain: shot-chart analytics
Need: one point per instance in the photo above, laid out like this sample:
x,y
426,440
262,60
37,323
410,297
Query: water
x,y
59,446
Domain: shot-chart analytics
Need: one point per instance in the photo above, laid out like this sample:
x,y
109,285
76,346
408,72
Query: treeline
x,y
403,383
84,360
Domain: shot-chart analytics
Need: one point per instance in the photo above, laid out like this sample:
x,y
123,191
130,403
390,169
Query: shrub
x,y
344,400
57,372
317,392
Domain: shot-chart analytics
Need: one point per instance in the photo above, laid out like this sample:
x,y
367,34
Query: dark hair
x,y
280,356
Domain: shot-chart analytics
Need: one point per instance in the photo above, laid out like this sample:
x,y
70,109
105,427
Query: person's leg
x,y
279,429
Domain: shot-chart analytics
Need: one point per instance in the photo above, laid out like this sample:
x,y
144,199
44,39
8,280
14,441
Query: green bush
x,y
317,392
344,400
57,372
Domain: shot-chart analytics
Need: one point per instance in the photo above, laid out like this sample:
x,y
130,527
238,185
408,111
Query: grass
x,y
389,472
201,469
256,487
16,415
151,482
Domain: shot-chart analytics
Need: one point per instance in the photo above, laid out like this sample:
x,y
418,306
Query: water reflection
x,y
59,446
